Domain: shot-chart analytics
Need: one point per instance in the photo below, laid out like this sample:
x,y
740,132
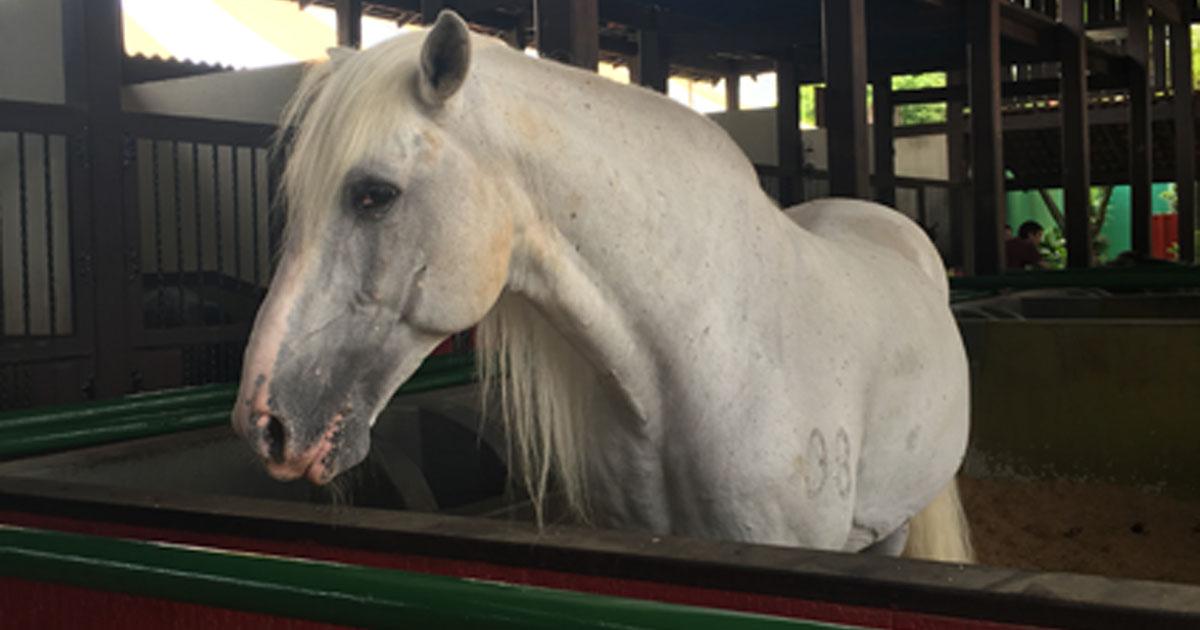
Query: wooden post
x,y
569,31
987,256
1185,131
733,91
1140,154
956,153
845,37
787,129
93,76
1076,151
430,10
653,66
349,23
885,138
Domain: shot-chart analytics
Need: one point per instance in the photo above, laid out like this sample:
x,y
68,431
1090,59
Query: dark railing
x,y
45,264
199,193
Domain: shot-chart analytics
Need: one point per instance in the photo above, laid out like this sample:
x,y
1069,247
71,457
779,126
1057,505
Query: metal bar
x,y
1141,157
216,182
47,178
987,141
237,228
23,207
1185,131
158,244
254,210
349,594
845,38
178,198
197,217
1076,143
885,141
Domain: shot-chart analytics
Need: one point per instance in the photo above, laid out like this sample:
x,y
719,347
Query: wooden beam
x,y
349,23
1185,130
653,67
115,281
885,141
1076,146
986,256
1140,136
569,31
733,92
956,154
845,39
430,10
787,131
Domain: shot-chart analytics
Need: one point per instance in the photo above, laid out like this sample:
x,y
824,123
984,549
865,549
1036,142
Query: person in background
x,y
1022,252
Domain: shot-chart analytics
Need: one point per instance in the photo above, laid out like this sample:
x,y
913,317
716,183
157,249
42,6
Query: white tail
x,y
940,531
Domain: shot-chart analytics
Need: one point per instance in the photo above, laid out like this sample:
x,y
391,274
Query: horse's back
x,y
866,224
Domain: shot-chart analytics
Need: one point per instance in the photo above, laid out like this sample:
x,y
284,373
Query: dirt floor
x,y
1084,528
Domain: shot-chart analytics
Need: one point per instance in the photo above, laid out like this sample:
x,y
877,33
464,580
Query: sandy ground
x,y
1084,528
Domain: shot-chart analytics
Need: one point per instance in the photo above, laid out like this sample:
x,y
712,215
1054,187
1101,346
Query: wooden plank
x,y
569,31
985,257
1140,145
349,23
1076,146
1185,130
846,114
885,141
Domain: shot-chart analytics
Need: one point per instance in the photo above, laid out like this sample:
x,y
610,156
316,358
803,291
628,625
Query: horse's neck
x,y
643,216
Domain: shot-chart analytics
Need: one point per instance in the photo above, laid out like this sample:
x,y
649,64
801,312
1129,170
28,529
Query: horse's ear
x,y
445,58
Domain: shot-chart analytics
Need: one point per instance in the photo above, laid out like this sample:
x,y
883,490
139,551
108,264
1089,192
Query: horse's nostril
x,y
275,438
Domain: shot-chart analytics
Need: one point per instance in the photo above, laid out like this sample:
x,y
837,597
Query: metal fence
x,y
200,229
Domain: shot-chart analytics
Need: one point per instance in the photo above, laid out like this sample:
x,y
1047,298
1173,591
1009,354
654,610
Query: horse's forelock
x,y
332,120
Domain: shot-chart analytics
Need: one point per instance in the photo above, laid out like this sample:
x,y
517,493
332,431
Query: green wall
x,y
1027,205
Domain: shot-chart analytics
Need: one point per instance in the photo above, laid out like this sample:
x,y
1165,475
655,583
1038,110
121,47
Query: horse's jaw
x,y
316,375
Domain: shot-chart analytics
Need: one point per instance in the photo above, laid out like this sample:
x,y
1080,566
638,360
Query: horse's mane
x,y
538,384
543,390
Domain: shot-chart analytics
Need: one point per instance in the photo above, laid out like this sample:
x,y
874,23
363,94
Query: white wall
x,y
754,131
31,58
245,95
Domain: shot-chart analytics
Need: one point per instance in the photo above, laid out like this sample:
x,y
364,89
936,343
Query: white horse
x,y
677,353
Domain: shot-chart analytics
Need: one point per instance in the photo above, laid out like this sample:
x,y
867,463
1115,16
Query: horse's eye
x,y
372,196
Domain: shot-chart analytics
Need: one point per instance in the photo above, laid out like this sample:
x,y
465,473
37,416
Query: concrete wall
x,y
1103,400
31,57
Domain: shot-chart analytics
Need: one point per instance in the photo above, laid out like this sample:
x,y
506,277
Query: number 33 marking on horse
x,y
817,471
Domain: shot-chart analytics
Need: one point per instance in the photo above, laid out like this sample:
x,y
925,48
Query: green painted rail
x,y
1102,278
337,593
146,415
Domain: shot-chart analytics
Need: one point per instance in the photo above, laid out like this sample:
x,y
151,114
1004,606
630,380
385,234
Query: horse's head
x,y
397,238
